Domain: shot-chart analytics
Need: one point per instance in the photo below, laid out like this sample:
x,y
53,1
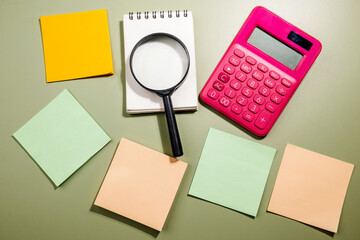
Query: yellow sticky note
x,y
76,45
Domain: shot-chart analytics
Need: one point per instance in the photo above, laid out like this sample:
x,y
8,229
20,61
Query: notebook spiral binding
x,y
153,14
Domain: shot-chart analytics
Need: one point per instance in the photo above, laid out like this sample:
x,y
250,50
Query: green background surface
x,y
322,116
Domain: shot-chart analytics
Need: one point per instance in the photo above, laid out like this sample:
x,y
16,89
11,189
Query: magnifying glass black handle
x,y
172,127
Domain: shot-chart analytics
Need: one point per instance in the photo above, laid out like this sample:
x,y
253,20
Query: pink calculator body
x,y
260,71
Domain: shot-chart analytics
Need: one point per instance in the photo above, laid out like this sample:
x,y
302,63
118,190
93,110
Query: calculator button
x,y
213,94
281,90
248,116
276,98
250,60
258,75
230,93
229,69
262,67
270,107
269,82
264,91
262,119
235,108
240,76
286,82
223,77
247,92
254,107
259,99
241,100
235,84
246,68
274,75
234,60
239,53
224,101
218,86
252,83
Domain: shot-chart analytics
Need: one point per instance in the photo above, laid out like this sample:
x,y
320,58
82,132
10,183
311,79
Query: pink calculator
x,y
260,71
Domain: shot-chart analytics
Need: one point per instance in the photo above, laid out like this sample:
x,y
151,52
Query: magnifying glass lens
x,y
160,63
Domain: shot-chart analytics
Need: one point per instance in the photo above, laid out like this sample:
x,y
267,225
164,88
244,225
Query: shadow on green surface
x,y
154,233
330,234
247,215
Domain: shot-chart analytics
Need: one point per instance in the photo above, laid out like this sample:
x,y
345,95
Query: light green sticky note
x,y
232,172
61,137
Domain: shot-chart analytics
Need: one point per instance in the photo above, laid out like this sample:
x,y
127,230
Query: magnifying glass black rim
x,y
147,38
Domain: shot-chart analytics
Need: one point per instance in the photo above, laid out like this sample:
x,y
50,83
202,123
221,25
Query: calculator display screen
x,y
274,48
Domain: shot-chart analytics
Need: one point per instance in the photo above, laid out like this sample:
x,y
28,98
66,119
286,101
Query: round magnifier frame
x,y
148,38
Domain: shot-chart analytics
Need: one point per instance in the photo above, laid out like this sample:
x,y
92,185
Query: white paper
x,y
140,100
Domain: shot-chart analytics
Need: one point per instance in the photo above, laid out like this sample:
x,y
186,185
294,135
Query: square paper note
x,y
76,45
141,184
61,137
310,188
232,172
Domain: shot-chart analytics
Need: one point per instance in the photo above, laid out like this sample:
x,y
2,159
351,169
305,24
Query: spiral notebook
x,y
136,26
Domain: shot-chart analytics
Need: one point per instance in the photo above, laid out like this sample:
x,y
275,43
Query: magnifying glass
x,y
159,62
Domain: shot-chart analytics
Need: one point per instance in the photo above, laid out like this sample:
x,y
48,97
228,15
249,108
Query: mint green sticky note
x,y
61,137
232,172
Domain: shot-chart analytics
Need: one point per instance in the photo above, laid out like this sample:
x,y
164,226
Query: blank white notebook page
x,y
137,26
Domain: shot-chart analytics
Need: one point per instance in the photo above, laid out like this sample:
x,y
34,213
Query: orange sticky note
x,y
310,188
76,45
141,184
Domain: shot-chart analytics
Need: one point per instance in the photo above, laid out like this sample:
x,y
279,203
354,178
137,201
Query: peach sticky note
x,y
141,184
310,188
76,45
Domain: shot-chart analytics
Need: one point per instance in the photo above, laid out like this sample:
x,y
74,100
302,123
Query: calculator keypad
x,y
229,69
239,53
249,90
262,120
262,67
246,68
240,76
223,77
218,86
234,60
